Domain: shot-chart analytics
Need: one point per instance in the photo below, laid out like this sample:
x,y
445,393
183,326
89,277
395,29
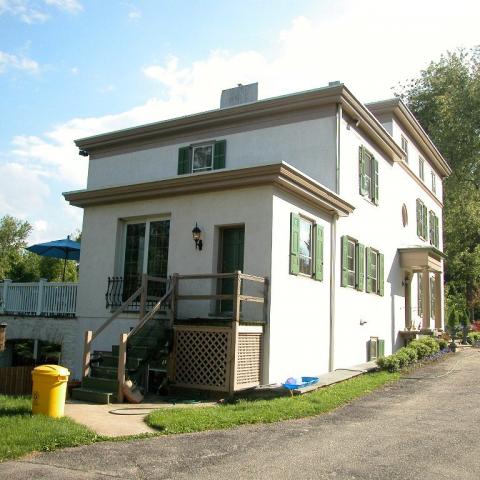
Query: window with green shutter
x,y
375,271
368,175
306,247
202,158
433,229
360,268
422,220
349,262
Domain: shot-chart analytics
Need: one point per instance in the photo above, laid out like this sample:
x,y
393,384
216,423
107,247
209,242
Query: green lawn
x,y
183,420
21,432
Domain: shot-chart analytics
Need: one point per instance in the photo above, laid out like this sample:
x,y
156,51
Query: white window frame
x,y
311,257
434,182
353,272
377,263
203,169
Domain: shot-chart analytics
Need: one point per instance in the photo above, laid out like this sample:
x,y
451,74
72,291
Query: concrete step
x,y
88,395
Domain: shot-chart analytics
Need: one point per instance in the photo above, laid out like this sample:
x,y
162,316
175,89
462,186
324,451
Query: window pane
x,y
158,255
305,247
351,263
134,252
202,158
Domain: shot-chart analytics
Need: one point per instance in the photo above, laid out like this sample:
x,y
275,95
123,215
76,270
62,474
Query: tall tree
x,y
13,238
446,100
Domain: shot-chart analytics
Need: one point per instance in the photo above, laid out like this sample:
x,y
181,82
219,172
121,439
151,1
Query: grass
x,y
22,433
183,420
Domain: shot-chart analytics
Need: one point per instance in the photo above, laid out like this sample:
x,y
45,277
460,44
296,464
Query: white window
x,y
202,158
373,271
351,263
405,147
421,168
434,182
305,248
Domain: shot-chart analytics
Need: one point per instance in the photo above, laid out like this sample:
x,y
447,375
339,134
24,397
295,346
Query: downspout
x,y
333,269
337,151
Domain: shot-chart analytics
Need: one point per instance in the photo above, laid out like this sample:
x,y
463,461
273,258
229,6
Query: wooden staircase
x,y
145,346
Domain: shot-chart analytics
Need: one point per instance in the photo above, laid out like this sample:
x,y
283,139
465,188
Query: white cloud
x,y
134,15
74,70
8,60
30,11
71,6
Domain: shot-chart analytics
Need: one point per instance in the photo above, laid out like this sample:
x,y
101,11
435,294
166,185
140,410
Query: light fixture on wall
x,y
3,327
197,237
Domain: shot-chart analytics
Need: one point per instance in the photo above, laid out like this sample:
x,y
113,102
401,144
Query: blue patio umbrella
x,y
65,249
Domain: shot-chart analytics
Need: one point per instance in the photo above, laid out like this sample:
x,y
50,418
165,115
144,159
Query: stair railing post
x,y
3,305
41,287
143,296
237,290
122,362
87,347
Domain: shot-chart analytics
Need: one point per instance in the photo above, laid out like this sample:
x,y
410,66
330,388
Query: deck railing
x,y
49,299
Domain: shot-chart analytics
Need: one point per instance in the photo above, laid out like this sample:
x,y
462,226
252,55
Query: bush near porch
x,y
421,349
22,433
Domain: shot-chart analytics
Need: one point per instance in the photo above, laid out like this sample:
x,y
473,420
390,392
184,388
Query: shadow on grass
x,y
14,411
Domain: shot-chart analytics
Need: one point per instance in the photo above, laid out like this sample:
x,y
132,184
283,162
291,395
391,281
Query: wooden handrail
x,y
117,312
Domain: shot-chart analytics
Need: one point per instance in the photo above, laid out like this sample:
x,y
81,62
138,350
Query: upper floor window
x,y
202,158
434,182
434,230
306,247
405,147
422,221
368,173
421,168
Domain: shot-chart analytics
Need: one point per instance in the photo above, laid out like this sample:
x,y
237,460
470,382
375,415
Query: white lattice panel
x,y
249,359
201,357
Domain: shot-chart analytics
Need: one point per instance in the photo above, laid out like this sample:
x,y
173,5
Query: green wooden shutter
x,y
361,170
437,232
381,274
419,214
368,254
219,154
318,253
375,180
360,267
381,348
294,241
425,222
344,261
184,160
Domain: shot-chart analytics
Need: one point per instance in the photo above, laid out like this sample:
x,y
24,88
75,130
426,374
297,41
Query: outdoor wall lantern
x,y
3,327
197,237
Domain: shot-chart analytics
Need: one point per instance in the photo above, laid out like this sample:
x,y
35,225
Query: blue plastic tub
x,y
306,382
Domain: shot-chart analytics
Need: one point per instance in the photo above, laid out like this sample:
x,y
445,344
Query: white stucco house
x,y
331,209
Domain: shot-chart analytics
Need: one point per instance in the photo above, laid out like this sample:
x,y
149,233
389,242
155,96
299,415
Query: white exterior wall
x,y
381,228
308,145
300,306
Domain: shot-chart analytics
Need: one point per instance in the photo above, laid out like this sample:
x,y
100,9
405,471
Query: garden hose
x,y
118,411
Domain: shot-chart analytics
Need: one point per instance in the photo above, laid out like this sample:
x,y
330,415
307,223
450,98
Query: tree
x,y
445,98
13,239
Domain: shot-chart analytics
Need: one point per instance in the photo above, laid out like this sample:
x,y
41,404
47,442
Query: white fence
x,y
40,298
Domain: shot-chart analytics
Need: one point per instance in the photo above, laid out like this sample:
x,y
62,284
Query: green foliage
x,y
473,337
23,433
183,420
446,100
406,356
442,343
13,238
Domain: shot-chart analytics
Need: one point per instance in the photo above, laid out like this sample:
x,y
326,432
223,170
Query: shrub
x,y
411,352
442,343
422,349
473,337
390,363
432,344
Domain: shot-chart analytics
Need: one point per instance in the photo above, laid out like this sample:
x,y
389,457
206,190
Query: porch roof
x,y
280,174
419,257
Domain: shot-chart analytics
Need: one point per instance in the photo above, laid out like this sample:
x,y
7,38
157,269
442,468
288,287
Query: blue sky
x,y
73,68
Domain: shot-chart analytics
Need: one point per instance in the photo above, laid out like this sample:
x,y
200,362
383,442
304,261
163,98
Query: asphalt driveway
x,y
424,428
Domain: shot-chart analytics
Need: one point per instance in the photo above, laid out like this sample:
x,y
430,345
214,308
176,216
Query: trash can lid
x,y
53,370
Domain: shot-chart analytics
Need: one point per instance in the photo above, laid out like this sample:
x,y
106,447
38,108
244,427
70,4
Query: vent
x,y
239,95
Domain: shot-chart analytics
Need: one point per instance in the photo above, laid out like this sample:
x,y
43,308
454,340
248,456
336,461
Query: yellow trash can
x,y
49,390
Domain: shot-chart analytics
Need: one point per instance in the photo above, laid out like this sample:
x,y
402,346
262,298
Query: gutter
x,y
333,268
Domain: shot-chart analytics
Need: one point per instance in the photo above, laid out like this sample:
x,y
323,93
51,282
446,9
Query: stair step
x,y
104,372
100,384
95,396
110,360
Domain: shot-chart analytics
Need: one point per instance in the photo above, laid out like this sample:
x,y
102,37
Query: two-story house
x,y
331,209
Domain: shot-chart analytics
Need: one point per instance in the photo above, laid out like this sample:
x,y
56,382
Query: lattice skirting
x,y
249,360
202,357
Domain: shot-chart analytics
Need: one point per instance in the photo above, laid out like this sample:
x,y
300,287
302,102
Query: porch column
x,y
438,301
408,300
426,299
